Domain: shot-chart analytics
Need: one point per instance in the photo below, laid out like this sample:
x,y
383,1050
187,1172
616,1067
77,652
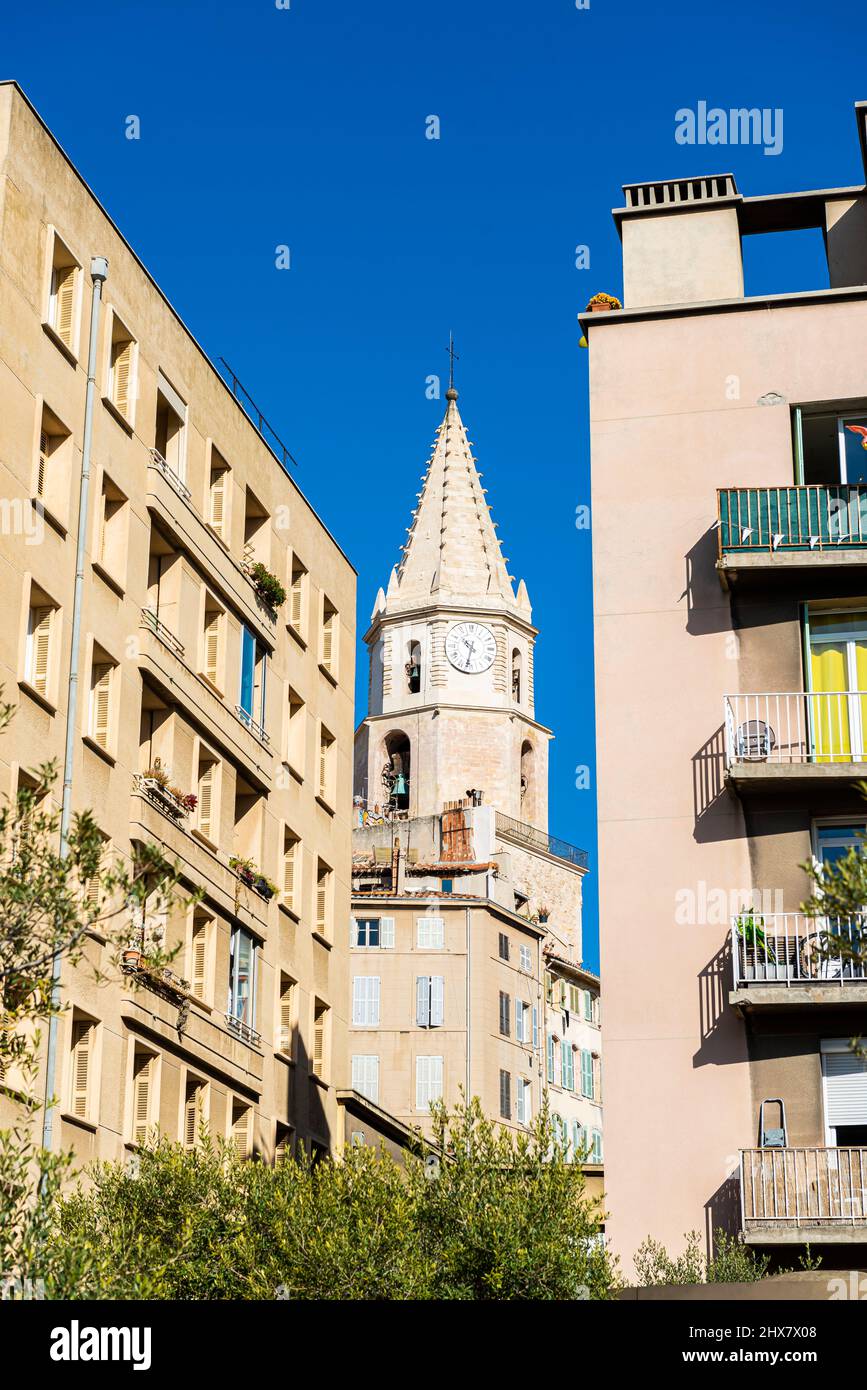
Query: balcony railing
x,y
243,1030
258,730
159,629
174,478
783,1188
813,517
796,727
534,838
787,948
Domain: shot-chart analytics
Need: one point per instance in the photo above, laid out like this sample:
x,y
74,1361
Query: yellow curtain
x,y
829,718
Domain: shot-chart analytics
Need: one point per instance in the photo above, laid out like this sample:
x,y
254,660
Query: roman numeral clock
x,y
471,647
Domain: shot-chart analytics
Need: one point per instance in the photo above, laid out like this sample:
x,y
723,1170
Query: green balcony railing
x,y
816,516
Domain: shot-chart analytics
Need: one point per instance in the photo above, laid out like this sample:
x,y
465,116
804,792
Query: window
x,y
243,953
522,1021
524,1101
429,997
219,490
320,1038
242,1128
100,715
504,946
596,1146
122,368
551,1058
567,1066
112,516
199,955
286,1015
145,1099
251,698
504,1014
297,598
82,1067
291,872
53,466
330,638
535,1027
365,1001
526,957
549,987
837,663
323,898
588,1006
373,932
212,631
43,621
257,525
413,669
505,1095
326,766
170,431
195,1110
428,1081
282,1142
587,1073
446,885
578,1141
430,933
365,1076
832,452
296,734
516,676
64,295
207,820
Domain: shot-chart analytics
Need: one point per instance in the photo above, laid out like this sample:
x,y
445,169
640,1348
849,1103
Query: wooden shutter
x,y
535,1026
42,471
437,995
551,1058
121,378
206,800
359,999
40,648
212,646
141,1098
101,703
328,640
519,1021
422,1001
82,1033
286,1019
295,603
241,1130
319,1042
289,874
64,292
386,933
199,960
193,1113
323,767
283,1145
322,904
218,497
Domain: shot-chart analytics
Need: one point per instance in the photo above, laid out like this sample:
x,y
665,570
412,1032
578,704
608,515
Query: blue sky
x,y
305,127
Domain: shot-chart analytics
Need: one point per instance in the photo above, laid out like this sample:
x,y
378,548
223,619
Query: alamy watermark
x,y
705,906
737,126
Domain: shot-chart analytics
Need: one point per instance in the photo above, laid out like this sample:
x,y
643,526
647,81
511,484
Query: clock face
x,y
470,647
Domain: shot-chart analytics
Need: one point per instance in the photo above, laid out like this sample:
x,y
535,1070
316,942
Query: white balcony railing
x,y
174,478
803,1187
786,948
796,727
158,628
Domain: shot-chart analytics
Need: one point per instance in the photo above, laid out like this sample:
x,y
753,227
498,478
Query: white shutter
x,y
359,1000
241,1132
64,302
845,1089
519,1022
206,800
141,1097
218,497
422,1001
40,647
289,855
430,933
437,995
199,960
42,471
212,646
353,932
100,709
82,1032
373,1000
436,1078
121,378
365,1076
422,1082
386,932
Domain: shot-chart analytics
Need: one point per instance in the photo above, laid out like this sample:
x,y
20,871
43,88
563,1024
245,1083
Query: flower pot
x,y
601,308
131,956
263,889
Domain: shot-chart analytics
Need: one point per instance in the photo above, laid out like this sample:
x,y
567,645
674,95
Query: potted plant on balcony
x,y
602,303
264,887
759,956
267,585
244,868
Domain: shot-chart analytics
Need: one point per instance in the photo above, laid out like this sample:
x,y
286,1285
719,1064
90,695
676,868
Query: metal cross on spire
x,y
453,356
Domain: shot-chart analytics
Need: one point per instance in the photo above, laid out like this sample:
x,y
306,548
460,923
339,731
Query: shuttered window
x,y
286,1015
42,467
296,597
291,870
526,959
121,369
62,309
430,1000
143,1104
194,1111
503,946
83,1030
39,647
535,1026
587,1073
550,1058
523,1101
596,1146
365,1076
100,702
504,1014
365,1001
505,1095
430,933
320,1041
242,1126
211,646
329,637
205,808
845,1089
323,899
568,1066
199,958
428,1081
217,497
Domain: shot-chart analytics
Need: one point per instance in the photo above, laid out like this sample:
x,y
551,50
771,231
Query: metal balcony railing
x,y
174,478
256,729
158,628
796,727
789,1187
787,948
535,838
815,516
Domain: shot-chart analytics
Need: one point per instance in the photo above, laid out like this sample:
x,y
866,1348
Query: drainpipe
x,y
469,916
99,274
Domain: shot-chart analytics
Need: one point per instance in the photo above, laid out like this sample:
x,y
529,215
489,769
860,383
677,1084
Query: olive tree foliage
x,y
52,905
839,902
730,1263
480,1214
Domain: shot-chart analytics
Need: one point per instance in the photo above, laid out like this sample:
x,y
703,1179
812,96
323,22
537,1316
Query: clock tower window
x,y
413,668
516,676
395,772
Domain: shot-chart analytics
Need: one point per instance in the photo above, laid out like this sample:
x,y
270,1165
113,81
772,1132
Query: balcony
x,y
784,959
765,531
531,837
796,738
795,1196
174,478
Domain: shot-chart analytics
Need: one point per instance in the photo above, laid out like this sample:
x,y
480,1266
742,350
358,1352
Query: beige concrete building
x,y
573,1058
457,884
187,678
730,566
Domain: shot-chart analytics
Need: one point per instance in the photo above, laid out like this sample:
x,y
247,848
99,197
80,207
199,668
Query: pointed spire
x,y
452,549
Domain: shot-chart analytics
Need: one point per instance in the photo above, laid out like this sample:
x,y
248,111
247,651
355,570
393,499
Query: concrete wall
x,y
681,258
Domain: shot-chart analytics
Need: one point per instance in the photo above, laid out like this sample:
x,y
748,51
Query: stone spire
x,y
452,550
